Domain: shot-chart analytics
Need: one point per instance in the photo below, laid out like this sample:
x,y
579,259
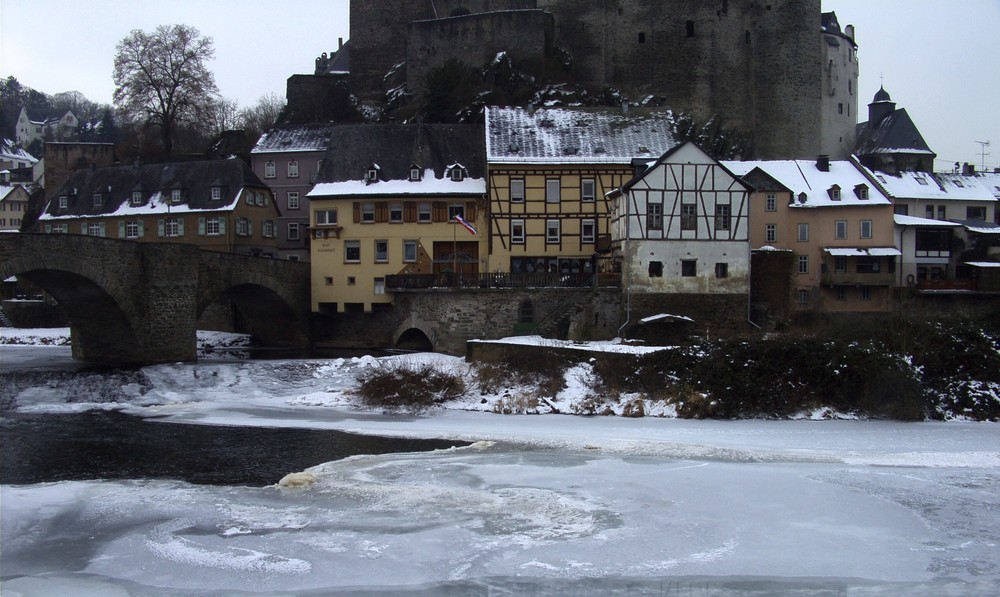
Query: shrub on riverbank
x,y
403,386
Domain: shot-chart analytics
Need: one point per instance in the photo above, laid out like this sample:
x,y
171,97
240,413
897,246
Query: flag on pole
x,y
472,229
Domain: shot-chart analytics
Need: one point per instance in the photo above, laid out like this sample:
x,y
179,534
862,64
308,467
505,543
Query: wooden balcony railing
x,y
499,280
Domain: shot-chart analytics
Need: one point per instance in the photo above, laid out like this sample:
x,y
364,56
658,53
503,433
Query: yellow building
x,y
388,213
549,172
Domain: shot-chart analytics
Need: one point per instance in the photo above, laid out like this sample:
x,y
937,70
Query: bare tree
x,y
262,115
161,79
225,115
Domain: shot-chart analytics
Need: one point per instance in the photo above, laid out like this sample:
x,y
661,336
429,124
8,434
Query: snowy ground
x,y
541,505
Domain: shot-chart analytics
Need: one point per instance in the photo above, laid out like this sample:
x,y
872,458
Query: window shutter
x,y
180,226
381,212
409,211
357,212
83,228
48,227
222,225
439,212
160,228
142,229
100,229
121,229
470,211
201,226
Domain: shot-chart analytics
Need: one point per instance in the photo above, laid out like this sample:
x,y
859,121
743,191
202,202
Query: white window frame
x,y
553,232
409,251
770,233
137,198
802,232
352,246
654,216
395,212
771,202
517,232
588,195
216,193
381,251
293,199
63,201
424,213
132,228
553,192
293,231
517,190
270,171
588,231
840,229
866,228
326,217
243,226
213,226
293,168
172,227
368,213
803,264
379,285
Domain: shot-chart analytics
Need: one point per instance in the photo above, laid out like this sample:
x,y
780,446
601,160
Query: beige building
x,y
219,205
838,225
387,215
13,205
550,171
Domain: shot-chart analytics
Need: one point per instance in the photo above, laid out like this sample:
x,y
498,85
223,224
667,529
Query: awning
x,y
983,228
863,251
902,220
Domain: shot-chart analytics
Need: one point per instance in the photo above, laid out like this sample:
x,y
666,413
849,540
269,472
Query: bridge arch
x,y
414,339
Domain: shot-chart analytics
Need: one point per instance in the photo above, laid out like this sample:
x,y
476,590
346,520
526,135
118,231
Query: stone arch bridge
x,y
130,302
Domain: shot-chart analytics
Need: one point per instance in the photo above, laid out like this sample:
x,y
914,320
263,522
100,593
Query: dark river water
x,y
37,448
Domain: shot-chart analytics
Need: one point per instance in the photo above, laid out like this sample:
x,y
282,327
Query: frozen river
x,y
540,505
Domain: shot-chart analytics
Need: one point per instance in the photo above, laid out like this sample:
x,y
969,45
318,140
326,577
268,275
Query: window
x,y
921,180
588,231
326,216
414,173
457,174
367,213
803,296
803,264
293,200
803,233
721,270
173,227
267,228
269,170
216,193
552,190
689,268
869,265
841,293
372,175
835,193
588,190
517,190
840,264
840,108
381,251
770,233
98,200
975,213
455,209
840,227
771,202
942,212
655,269
243,226
95,229
136,198
293,231
328,280
409,251
866,293
689,216
866,228
517,232
175,195
552,232
352,251
654,216
863,192
351,280
929,212
63,201
293,169
379,285
213,226
689,28
642,37
722,217
396,212
424,212
132,229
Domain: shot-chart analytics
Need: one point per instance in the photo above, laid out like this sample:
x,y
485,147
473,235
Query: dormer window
x,y
372,174
216,193
63,201
861,191
98,200
136,198
834,193
175,195
456,172
414,173
921,180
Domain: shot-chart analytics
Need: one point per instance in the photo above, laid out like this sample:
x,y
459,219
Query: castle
x,y
779,69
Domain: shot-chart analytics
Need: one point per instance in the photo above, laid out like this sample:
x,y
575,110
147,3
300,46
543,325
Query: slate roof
x,y
936,187
394,148
805,180
9,151
155,181
896,133
577,135
295,137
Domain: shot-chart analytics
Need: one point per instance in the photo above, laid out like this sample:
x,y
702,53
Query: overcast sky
x,y
939,60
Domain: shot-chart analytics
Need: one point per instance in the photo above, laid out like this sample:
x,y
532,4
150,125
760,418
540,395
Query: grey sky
x,y
938,59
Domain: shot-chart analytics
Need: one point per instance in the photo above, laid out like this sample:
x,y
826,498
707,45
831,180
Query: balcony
x,y
500,280
858,279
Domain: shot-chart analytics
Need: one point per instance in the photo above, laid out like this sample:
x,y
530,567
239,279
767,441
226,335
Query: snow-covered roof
x,y
804,177
938,187
986,264
902,220
991,182
576,135
287,138
863,251
982,227
9,151
428,185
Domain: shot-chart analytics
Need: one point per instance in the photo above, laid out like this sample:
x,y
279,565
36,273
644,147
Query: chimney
x,y
849,31
968,169
823,163
340,43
